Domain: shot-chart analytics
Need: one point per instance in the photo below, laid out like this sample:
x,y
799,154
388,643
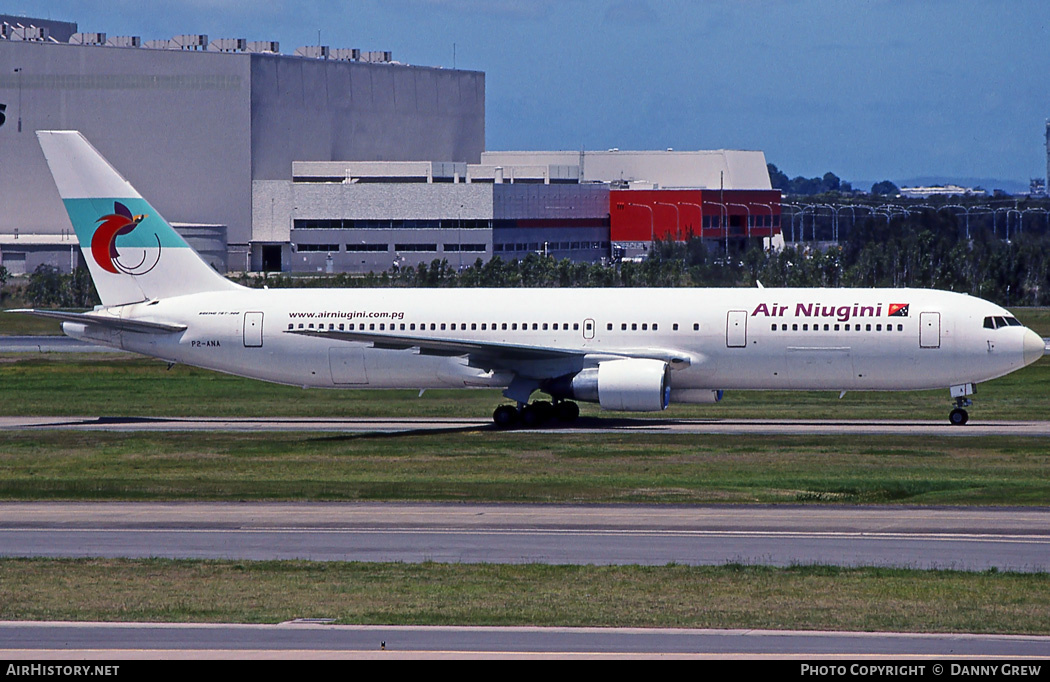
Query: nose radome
x,y
1034,347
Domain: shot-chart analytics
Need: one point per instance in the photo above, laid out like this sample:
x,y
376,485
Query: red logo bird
x,y
104,241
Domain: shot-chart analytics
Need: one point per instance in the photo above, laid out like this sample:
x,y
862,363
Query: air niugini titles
x,y
842,313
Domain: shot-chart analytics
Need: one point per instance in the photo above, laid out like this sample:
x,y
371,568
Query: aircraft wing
x,y
493,354
107,321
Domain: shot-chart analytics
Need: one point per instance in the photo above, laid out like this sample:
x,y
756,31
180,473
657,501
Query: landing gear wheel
x,y
505,416
958,417
543,409
567,411
531,416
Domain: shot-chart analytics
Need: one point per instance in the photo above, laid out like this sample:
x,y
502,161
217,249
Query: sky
x,y
867,89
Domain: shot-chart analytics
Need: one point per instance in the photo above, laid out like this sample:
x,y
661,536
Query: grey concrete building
x,y
195,124
361,217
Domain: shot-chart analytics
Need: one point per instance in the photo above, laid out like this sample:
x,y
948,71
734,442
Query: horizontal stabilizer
x,y
109,322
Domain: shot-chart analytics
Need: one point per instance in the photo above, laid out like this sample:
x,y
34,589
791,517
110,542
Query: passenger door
x,y
929,330
736,329
253,329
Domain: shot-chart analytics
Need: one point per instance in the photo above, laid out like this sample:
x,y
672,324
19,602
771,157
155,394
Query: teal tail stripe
x,y
85,215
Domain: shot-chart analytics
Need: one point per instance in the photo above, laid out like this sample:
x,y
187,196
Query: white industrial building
x,y
670,169
325,160
195,123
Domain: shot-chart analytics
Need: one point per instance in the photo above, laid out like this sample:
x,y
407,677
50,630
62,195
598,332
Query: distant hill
x,y
989,184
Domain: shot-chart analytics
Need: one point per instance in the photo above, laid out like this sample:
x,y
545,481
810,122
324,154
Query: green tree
x,y
885,188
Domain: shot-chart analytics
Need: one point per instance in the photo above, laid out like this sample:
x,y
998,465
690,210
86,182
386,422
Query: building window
x,y
464,248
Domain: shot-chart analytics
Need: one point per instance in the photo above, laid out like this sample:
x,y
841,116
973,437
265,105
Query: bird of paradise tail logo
x,y
104,242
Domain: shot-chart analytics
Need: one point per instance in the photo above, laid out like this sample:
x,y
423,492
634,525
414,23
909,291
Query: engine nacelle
x,y
632,385
695,396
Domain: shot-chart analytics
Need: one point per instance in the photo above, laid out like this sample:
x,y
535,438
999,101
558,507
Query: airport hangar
x,y
333,160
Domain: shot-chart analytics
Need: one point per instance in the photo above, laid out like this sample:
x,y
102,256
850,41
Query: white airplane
x,y
626,349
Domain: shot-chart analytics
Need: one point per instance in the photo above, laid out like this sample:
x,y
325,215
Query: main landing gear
x,y
535,414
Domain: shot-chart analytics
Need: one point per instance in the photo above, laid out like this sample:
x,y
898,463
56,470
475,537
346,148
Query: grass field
x,y
492,466
801,598
124,385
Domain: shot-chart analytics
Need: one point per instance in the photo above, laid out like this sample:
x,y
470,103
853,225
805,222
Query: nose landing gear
x,y
959,416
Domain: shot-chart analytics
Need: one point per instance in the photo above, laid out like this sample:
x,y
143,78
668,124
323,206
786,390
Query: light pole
x,y
748,209
966,209
1036,210
834,222
1019,214
652,224
769,208
995,219
698,208
795,211
853,220
19,72
677,218
724,218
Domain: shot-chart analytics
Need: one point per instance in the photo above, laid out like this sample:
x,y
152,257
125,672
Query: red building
x,y
645,215
713,194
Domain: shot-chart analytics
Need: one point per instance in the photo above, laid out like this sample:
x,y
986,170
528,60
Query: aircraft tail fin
x,y
132,253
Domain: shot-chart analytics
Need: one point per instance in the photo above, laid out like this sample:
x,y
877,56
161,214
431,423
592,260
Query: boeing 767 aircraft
x,y
626,349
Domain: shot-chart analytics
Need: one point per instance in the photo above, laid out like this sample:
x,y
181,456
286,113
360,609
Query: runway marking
x,y
873,535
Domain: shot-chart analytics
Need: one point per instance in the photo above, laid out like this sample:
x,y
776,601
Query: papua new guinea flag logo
x,y
104,242
898,310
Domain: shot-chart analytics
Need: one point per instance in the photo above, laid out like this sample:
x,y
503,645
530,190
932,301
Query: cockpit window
x,y
1000,321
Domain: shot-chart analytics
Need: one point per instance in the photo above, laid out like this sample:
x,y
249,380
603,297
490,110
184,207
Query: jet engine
x,y
631,385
